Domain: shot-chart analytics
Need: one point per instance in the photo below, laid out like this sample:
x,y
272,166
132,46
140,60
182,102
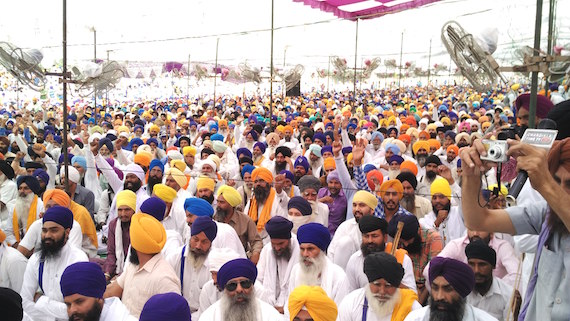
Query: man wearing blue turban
x,y
314,268
189,261
82,286
41,293
236,279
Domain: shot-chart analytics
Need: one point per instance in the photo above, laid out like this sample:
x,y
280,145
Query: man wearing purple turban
x,y
451,282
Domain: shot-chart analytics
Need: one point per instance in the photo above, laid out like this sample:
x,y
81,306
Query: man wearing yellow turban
x,y
149,273
174,217
228,199
311,303
444,217
177,180
205,187
265,202
118,240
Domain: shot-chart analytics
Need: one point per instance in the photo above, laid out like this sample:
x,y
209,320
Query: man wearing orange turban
x,y
55,197
266,200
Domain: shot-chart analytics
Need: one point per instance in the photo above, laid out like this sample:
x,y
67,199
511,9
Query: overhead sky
x,y
140,30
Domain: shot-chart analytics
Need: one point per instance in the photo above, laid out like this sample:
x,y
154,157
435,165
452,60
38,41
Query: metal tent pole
x,y
534,77
64,96
355,58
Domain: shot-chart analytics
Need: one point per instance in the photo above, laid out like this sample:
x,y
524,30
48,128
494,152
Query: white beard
x,y
393,173
310,275
197,261
22,208
239,312
381,309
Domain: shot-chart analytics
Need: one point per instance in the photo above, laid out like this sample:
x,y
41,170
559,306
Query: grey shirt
x,y
86,198
551,298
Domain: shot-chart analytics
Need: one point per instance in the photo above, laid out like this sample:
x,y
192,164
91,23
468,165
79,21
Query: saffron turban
x,y
314,233
84,278
263,173
374,174
235,269
393,183
148,236
315,300
164,192
329,163
409,166
128,198
142,159
420,144
178,176
457,273
58,196
367,198
441,186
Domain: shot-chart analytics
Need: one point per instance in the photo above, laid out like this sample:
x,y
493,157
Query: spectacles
x,y
232,286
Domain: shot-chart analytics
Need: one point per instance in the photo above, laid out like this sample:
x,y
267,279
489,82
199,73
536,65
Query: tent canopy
x,y
352,9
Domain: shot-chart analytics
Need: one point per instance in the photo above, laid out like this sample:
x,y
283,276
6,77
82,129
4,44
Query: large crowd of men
x,y
373,205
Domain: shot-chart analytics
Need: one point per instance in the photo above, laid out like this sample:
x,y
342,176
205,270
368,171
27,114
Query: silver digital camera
x,y
496,151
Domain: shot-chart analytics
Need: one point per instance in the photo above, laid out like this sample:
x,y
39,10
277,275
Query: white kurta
x,y
115,310
274,272
228,238
265,312
49,306
322,214
471,314
357,279
194,278
345,242
33,238
333,280
496,301
450,229
352,306
12,265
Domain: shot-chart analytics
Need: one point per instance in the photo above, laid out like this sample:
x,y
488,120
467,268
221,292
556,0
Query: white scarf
x,y
119,252
270,272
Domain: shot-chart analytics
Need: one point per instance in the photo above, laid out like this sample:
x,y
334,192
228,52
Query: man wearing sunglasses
x,y
309,187
236,279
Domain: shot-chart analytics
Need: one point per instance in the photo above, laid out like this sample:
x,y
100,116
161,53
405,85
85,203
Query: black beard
x,y
39,140
484,287
486,240
372,248
4,150
432,135
280,166
446,207
15,149
134,257
460,145
297,177
221,214
284,253
210,198
153,180
92,315
416,246
421,159
132,186
454,311
261,194
52,249
431,175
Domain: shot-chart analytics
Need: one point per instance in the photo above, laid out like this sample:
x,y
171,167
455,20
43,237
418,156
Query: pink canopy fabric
x,y
351,9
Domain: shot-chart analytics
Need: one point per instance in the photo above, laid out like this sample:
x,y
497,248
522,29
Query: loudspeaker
x,y
295,91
